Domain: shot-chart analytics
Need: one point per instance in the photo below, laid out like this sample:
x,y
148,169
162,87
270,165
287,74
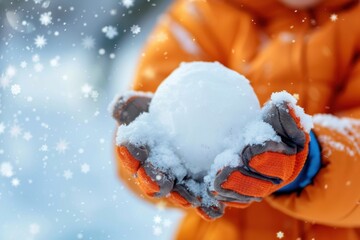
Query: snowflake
x,y
135,29
85,168
40,41
44,148
55,61
2,128
6,169
4,81
23,64
101,51
10,71
94,95
27,136
279,234
128,3
157,231
15,89
62,146
15,182
113,12
45,18
110,31
35,58
15,131
37,1
157,219
68,174
34,228
334,17
88,42
38,67
86,89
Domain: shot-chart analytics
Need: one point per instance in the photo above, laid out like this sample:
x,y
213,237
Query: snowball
x,y
201,104
199,120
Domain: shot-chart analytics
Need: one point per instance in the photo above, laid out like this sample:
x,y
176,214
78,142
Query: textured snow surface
x,y
199,120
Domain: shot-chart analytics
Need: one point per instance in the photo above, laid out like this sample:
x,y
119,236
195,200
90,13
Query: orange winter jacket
x,y
313,53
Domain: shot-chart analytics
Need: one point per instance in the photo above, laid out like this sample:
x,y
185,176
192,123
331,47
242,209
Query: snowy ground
x,y
57,173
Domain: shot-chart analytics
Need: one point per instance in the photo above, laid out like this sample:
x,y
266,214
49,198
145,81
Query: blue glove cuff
x,y
310,169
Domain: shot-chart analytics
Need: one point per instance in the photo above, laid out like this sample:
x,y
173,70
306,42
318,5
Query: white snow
x,y
199,120
200,105
341,125
305,120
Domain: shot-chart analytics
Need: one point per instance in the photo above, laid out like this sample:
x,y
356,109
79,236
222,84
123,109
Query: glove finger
x,y
229,186
153,181
286,124
183,196
126,110
211,212
131,157
271,161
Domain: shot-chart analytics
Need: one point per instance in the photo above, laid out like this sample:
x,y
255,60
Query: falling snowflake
x,y
4,81
37,1
55,61
34,228
15,182
110,31
15,89
85,168
86,89
6,169
68,174
10,71
135,29
101,51
38,67
113,12
23,64
157,219
94,95
279,234
35,58
88,42
333,17
45,18
27,136
62,146
157,230
44,148
2,128
15,131
40,41
128,3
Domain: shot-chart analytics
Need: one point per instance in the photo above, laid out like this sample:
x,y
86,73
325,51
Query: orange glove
x,y
266,167
153,181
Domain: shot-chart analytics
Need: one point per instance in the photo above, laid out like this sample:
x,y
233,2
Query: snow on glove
x,y
269,166
153,181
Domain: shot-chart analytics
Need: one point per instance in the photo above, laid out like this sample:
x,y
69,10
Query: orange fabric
x,y
127,160
146,183
177,199
276,48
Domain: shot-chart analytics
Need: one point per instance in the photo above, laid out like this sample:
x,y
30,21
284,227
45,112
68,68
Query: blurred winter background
x,y
61,63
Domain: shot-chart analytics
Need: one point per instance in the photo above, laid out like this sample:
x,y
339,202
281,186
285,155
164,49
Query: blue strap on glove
x,y
310,169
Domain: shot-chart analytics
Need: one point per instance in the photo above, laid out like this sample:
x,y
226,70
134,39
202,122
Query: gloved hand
x,y
152,181
266,167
